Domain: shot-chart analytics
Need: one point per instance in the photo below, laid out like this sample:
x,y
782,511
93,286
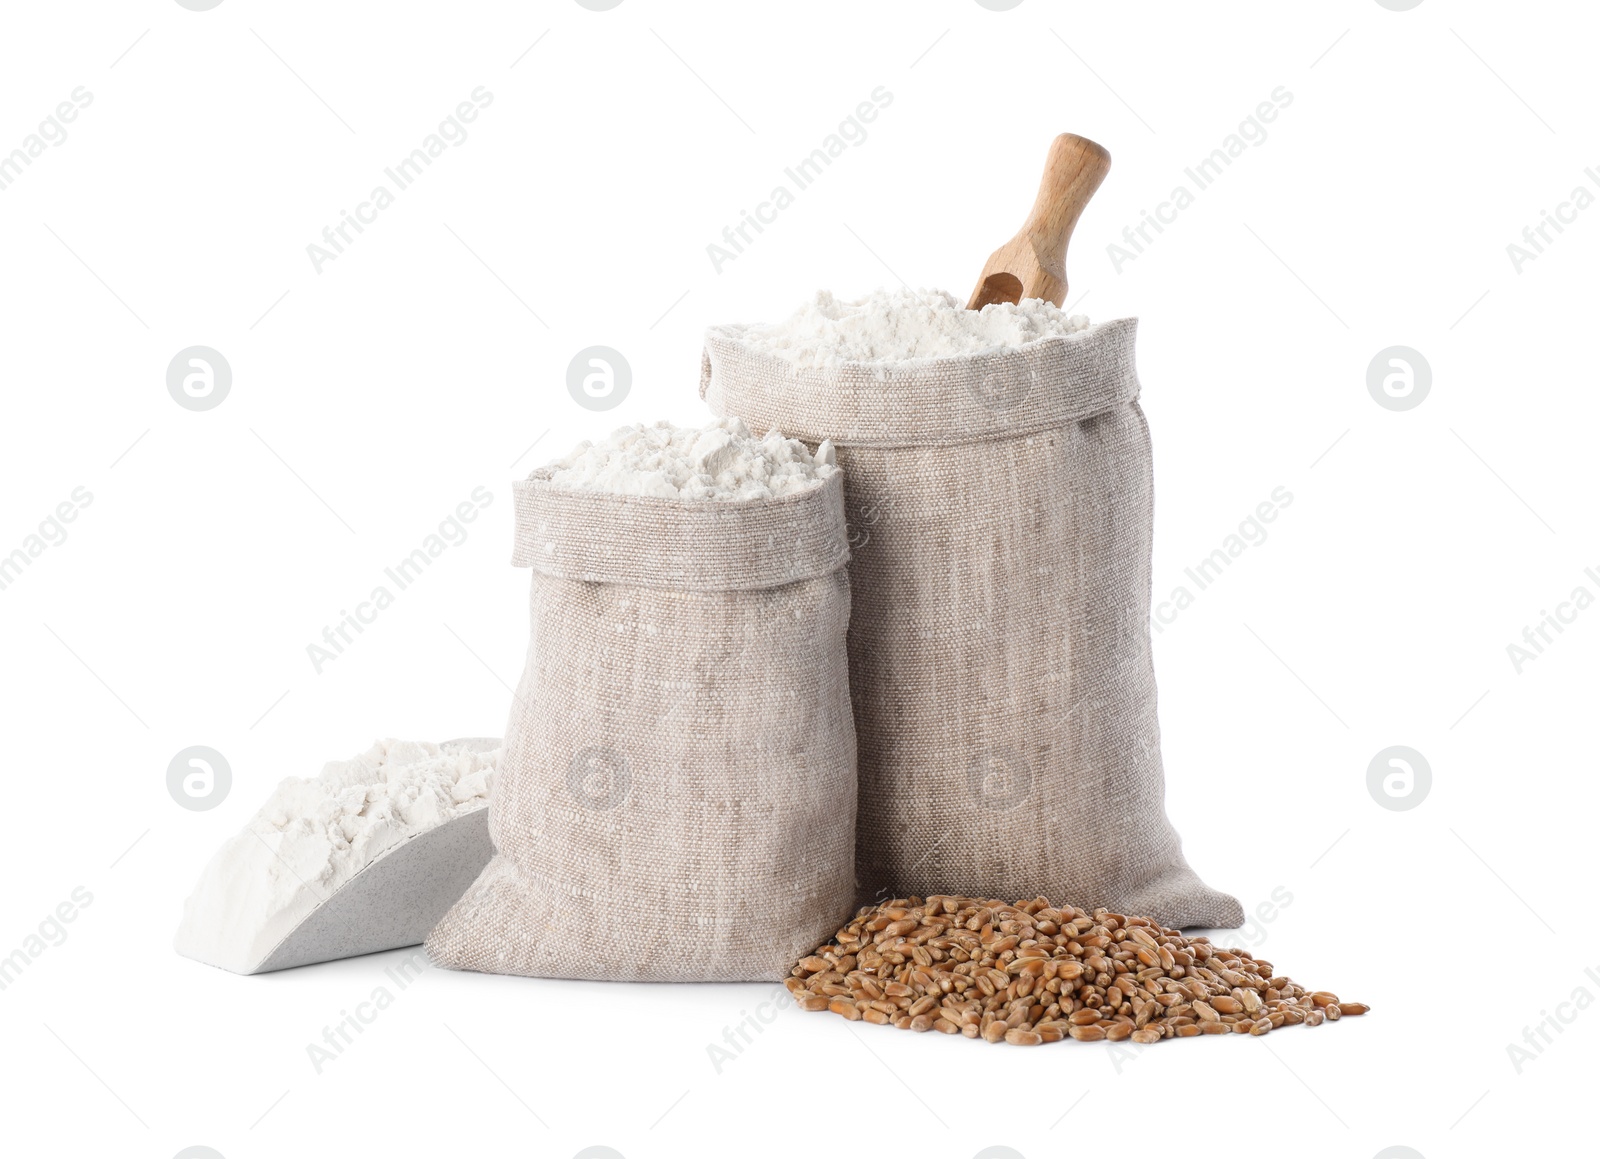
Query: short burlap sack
x,y
677,794
1005,703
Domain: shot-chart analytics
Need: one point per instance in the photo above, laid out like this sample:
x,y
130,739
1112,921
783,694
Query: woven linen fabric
x,y
1000,513
677,794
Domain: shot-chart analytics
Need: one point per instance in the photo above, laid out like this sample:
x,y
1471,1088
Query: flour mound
x,y
314,834
904,325
721,461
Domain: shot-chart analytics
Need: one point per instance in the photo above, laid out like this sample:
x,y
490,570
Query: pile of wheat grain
x,y
1031,973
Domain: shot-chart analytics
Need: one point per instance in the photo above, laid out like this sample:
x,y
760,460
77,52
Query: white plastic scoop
x,y
391,902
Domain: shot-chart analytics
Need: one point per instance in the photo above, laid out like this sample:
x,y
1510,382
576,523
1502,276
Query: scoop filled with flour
x,y
902,326
720,461
365,856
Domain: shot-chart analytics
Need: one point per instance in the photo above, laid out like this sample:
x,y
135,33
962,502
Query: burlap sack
x,y
677,794
1005,703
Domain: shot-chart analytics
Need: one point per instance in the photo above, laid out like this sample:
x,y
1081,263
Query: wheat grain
x,y
1032,973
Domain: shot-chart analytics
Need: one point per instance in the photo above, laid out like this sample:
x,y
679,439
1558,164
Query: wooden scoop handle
x,y
1073,171
1034,263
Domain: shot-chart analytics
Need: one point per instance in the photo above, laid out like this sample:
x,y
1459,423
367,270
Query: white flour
x,y
902,325
720,461
313,835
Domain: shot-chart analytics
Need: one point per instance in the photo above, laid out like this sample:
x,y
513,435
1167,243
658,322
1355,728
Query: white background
x,y
372,397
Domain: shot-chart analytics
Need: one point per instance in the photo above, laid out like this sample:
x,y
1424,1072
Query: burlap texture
x,y
677,796
1000,511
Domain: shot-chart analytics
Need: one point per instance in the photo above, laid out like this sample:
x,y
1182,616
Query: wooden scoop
x,y
1034,263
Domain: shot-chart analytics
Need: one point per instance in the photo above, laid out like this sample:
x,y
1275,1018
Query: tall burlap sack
x,y
676,799
1005,702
